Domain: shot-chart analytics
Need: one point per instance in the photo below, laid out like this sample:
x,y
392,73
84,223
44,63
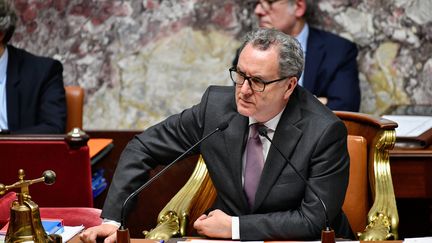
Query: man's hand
x,y
323,100
107,231
216,224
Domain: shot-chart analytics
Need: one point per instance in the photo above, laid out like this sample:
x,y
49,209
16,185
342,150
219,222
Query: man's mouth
x,y
265,24
245,101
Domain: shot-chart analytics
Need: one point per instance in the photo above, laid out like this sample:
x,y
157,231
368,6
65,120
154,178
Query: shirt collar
x,y
3,65
270,124
303,36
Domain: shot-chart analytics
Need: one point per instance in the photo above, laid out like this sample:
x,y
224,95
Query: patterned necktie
x,y
254,164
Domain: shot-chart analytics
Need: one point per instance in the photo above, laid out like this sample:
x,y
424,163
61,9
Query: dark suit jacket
x,y
308,133
331,70
35,93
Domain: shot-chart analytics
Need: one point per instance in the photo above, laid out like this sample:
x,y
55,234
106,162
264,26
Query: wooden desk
x,y
412,181
412,172
109,162
76,239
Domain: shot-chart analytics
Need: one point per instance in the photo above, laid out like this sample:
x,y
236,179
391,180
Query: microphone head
x,y
223,125
49,177
262,131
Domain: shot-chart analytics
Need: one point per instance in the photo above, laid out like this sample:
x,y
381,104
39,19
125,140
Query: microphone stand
x,y
327,234
123,235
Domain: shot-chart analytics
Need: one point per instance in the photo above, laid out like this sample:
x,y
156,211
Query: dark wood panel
x,y
399,152
411,172
152,199
109,161
412,177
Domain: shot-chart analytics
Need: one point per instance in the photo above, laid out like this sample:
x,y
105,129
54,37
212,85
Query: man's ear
x,y
292,83
300,8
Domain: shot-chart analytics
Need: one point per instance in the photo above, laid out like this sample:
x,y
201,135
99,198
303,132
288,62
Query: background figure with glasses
x,y
259,196
330,71
32,96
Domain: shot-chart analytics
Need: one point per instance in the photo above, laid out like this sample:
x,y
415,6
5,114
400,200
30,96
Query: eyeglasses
x,y
265,4
255,83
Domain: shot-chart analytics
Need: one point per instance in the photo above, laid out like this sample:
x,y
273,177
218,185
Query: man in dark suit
x,y
280,206
330,71
32,96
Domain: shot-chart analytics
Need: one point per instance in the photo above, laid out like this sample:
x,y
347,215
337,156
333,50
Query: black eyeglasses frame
x,y
248,78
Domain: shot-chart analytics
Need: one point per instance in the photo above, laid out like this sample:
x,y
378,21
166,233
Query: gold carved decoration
x,y
176,215
383,218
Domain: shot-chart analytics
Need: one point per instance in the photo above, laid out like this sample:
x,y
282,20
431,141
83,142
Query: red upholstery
x,y
88,217
5,204
72,167
72,216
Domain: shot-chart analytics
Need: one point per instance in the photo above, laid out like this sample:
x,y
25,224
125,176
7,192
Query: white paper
x,y
410,126
70,231
418,240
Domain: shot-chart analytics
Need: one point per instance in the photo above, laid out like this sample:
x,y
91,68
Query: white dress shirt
x,y
3,108
302,38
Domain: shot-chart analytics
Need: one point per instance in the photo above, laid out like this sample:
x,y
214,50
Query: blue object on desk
x,y
52,226
99,183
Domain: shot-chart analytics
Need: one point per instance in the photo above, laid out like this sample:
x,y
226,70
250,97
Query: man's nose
x,y
246,88
259,10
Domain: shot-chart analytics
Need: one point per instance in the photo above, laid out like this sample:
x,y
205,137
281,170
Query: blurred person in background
x,y
32,95
330,71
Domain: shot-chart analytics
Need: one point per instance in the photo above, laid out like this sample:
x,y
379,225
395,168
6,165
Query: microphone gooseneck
x,y
222,126
263,132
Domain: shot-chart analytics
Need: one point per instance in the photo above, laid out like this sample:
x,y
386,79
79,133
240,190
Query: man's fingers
x,y
104,230
202,217
111,239
88,236
197,222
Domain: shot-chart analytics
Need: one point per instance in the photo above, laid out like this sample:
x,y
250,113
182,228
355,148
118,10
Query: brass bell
x,y
25,223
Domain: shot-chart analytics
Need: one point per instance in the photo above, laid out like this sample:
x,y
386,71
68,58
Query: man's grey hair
x,y
8,20
291,60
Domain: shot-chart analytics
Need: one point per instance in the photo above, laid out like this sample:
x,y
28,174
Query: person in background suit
x,y
276,205
330,71
32,95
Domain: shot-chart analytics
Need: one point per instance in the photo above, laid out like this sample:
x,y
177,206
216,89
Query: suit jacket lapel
x,y
285,138
12,81
234,140
314,57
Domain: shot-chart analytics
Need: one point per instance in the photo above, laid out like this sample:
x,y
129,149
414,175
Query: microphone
x,y
327,235
123,232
